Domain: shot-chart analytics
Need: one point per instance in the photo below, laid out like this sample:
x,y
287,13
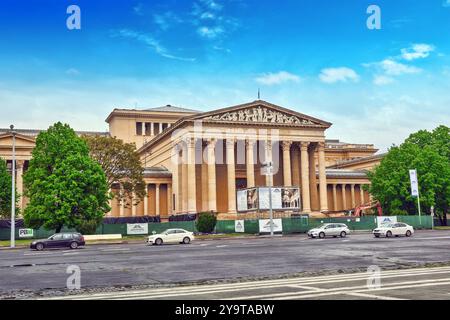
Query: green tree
x,y
64,185
428,153
121,164
5,191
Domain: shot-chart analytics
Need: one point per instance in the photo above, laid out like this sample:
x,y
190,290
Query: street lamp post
x,y
13,190
268,170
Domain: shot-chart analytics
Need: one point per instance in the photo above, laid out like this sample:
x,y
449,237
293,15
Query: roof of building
x,y
170,108
158,172
346,163
341,173
35,132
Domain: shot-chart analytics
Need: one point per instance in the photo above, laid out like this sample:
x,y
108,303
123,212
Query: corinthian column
x,y
322,178
269,159
191,177
286,145
231,173
250,144
212,203
344,198
306,201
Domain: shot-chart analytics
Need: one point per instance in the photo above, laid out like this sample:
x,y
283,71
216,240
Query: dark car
x,y
59,240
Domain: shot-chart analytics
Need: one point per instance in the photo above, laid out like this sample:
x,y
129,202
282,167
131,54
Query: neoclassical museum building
x,y
201,161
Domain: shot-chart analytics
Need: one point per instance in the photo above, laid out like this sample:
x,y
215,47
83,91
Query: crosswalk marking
x,y
308,284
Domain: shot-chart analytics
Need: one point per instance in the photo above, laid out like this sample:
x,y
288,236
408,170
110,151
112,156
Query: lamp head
x,y
11,127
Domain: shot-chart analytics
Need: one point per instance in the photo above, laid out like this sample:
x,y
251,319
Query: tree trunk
x,y
58,229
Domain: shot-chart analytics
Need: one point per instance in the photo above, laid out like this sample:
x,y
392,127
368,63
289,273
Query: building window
x,y
164,126
148,130
156,128
139,128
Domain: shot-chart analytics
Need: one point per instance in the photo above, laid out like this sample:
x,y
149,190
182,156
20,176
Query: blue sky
x,y
317,57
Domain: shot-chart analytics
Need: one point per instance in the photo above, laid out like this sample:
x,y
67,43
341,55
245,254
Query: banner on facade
x,y
283,198
264,225
239,226
386,220
247,199
137,228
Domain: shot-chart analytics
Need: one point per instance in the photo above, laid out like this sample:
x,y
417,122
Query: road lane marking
x,y
366,295
222,246
269,283
204,289
340,290
330,293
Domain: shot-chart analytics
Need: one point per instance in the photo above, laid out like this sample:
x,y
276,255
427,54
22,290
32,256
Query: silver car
x,y
329,230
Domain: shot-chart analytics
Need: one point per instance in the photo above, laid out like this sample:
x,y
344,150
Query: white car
x,y
394,229
171,236
329,229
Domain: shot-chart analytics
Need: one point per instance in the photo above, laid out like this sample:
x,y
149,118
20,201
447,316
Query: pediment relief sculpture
x,y
259,114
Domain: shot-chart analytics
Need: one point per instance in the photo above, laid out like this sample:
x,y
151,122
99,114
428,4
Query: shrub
x,y
206,222
88,227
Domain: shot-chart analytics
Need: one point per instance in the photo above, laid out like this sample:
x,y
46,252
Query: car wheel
x,y
158,241
321,235
408,233
388,234
40,247
73,245
343,234
186,240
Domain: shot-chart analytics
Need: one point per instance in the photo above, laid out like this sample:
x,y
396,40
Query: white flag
x,y
414,183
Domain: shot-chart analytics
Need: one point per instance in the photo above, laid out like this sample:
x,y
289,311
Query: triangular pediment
x,y
6,139
261,112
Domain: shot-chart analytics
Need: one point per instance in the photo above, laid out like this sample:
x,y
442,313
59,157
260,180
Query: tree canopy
x,y
5,191
428,153
121,164
64,185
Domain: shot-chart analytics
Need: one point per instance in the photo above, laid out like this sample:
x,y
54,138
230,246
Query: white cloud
x,y
277,78
416,51
166,20
332,75
381,80
394,68
210,21
210,32
149,42
72,72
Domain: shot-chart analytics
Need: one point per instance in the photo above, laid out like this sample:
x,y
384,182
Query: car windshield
x,y
322,226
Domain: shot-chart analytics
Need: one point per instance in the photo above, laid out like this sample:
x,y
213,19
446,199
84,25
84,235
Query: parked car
x,y
394,229
71,240
171,236
329,229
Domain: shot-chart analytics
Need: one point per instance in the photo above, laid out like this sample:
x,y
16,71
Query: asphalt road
x,y
24,271
406,284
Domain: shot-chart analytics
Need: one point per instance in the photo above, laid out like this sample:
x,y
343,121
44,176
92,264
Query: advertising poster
x,y
290,198
386,220
264,225
242,200
137,228
239,226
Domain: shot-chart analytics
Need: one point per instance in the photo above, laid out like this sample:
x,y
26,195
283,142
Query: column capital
x,y
211,142
286,145
321,145
304,145
190,142
230,142
249,143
